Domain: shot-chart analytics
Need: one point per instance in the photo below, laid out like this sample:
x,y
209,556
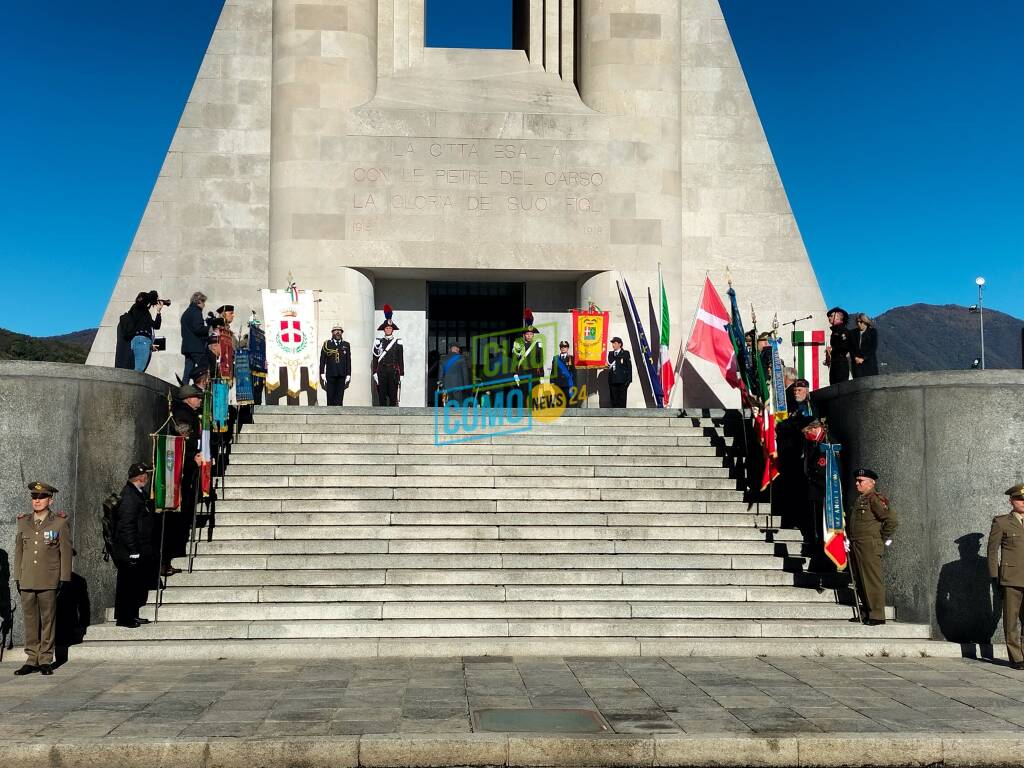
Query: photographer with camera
x,y
142,326
194,338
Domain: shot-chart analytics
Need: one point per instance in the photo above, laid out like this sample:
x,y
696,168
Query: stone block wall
x,y
946,445
78,428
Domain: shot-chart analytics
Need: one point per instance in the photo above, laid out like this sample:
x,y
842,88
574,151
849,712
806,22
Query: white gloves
x,y
846,544
375,381
516,377
348,379
133,557
888,542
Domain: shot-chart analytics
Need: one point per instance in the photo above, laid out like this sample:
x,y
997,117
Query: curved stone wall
x,y
77,427
946,444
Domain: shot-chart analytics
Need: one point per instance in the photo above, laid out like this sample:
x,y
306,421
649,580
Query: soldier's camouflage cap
x,y
1016,492
37,487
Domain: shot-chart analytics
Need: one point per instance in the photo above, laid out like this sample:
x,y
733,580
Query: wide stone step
x,y
474,561
466,593
183,584
596,469
320,427
264,455
138,648
551,453
779,629
531,438
502,493
251,524
491,610
263,532
580,546
255,484
505,506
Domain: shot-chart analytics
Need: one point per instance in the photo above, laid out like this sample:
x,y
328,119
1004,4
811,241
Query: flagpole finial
x,y
775,322
728,276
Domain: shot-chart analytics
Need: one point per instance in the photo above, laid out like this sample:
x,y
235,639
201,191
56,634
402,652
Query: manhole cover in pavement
x,y
538,721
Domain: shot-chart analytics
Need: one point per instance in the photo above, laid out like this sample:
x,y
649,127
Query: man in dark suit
x,y
455,379
336,366
194,337
620,373
1006,565
134,554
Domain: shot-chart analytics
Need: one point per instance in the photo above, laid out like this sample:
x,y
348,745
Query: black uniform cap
x,y
801,383
139,468
225,308
866,473
616,338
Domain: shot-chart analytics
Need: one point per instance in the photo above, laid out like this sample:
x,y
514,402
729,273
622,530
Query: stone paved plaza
x,y
765,696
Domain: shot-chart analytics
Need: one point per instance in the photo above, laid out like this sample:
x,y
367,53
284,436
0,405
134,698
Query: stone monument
x,y
324,140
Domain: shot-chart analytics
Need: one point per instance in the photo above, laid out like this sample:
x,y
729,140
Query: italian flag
x,y
668,374
808,346
168,460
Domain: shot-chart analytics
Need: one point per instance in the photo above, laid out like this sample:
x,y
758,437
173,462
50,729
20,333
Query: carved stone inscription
x,y
474,178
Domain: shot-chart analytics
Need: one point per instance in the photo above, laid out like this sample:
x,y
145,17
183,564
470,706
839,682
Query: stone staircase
x,y
348,532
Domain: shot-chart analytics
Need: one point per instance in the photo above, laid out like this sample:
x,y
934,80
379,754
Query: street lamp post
x,y
980,282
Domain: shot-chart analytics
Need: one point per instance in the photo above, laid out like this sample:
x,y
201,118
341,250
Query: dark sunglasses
x,y
37,496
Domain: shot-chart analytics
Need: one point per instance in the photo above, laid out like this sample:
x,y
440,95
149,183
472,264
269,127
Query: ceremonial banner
x,y
168,460
291,328
226,358
589,338
778,382
807,348
257,351
206,445
243,378
835,531
221,392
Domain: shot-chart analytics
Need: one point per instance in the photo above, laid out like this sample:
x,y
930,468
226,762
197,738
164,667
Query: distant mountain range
x,y
918,337
67,348
933,337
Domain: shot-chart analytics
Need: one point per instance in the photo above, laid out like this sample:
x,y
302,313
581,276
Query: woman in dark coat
x,y
864,347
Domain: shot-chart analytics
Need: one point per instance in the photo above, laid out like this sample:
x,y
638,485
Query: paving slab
x,y
707,711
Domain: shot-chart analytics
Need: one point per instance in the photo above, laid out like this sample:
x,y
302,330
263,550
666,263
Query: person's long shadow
x,y
73,617
6,605
968,605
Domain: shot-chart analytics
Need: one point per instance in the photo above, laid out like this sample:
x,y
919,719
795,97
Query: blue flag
x,y
645,350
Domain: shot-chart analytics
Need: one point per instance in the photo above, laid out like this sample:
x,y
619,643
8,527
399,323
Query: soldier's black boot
x,y
45,669
26,669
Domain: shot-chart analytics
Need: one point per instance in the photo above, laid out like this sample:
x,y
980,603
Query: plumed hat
x,y
388,323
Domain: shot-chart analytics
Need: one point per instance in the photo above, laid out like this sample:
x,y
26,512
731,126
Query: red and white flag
x,y
709,337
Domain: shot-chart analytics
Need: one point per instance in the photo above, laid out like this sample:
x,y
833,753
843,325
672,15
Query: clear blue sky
x,y
897,128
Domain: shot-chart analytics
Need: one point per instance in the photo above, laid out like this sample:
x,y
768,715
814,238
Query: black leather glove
x,y
17,586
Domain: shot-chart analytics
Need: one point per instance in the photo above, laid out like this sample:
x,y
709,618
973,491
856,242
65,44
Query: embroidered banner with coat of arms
x,y
589,338
290,324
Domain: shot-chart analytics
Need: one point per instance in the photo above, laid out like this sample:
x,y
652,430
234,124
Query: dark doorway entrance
x,y
460,312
